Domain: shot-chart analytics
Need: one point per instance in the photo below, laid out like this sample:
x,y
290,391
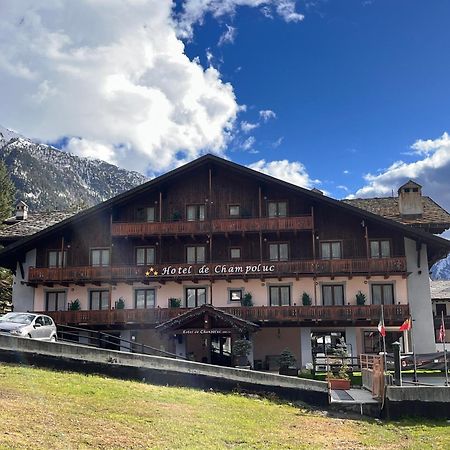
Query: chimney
x,y
410,199
21,211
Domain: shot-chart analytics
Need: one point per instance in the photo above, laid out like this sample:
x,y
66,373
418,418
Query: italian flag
x,y
406,325
381,327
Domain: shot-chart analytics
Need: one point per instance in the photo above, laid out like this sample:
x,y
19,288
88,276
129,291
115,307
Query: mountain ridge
x,y
47,178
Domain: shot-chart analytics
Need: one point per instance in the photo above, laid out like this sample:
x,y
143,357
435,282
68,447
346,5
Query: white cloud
x,y
228,36
346,172
246,127
113,75
432,172
278,142
248,143
293,172
267,114
194,11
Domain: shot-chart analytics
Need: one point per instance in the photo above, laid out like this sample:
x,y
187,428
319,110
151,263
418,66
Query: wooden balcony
x,y
364,315
241,270
213,226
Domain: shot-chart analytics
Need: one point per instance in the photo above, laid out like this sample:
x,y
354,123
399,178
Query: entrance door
x,y
221,350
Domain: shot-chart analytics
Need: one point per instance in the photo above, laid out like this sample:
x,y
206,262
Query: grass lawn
x,y
55,410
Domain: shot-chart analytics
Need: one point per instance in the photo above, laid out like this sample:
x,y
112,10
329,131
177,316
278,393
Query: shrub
x,y
287,359
120,304
74,305
174,302
306,299
247,299
360,298
241,348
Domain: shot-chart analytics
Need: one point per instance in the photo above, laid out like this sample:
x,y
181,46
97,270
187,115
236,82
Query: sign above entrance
x,y
210,269
203,331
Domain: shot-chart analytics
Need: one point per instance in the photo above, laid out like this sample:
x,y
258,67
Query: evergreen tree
x,y
6,206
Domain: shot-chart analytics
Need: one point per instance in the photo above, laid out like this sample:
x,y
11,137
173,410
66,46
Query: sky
x,y
351,97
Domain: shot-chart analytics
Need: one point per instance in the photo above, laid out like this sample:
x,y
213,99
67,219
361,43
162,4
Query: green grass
x,y
55,410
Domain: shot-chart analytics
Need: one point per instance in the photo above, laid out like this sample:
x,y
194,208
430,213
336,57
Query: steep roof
x,y
433,216
16,229
28,242
440,289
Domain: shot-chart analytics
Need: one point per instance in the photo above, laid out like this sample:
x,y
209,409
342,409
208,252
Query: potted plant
x,y
360,298
247,299
120,304
74,305
338,377
306,299
174,302
240,350
288,363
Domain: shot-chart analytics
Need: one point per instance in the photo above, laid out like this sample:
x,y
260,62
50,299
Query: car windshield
x,y
18,318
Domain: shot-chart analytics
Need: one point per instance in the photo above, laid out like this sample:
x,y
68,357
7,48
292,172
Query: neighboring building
x,y
440,298
212,231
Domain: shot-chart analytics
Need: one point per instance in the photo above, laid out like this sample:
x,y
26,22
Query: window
x,y
99,299
195,212
380,249
146,214
55,301
235,295
234,210
277,209
441,308
48,321
145,255
278,252
195,297
330,250
195,254
100,257
382,294
332,294
55,259
280,295
144,298
235,253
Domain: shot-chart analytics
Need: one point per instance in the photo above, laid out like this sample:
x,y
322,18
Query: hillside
x,y
96,412
48,179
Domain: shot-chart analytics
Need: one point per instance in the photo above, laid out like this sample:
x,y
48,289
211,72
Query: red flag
x,y
406,325
442,331
381,327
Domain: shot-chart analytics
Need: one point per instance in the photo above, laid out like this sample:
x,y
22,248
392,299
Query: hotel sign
x,y
210,269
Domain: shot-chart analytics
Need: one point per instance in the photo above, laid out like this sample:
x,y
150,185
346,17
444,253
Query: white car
x,y
30,325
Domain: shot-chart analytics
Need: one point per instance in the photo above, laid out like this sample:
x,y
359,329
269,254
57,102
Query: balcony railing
x,y
368,314
252,269
214,226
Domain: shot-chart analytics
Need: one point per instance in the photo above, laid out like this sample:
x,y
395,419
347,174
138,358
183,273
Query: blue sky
x,y
347,96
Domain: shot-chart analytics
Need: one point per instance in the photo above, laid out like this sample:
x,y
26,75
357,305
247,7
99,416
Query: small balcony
x,y
367,315
265,224
210,271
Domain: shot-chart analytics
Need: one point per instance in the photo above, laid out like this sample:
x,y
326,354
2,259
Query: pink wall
x,y
258,289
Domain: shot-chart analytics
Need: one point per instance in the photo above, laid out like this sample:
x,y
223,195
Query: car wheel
x,y
53,338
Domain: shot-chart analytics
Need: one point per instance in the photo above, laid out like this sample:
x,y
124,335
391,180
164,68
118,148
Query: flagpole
x,y
384,340
445,351
415,379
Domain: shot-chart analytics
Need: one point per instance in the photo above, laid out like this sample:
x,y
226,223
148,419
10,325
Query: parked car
x,y
34,326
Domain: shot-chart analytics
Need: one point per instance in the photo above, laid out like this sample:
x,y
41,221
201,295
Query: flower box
x,y
339,384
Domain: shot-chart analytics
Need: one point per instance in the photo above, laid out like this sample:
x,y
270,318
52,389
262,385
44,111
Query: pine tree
x,y
6,206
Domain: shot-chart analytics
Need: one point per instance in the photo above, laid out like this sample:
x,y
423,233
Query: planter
x,y
290,371
339,384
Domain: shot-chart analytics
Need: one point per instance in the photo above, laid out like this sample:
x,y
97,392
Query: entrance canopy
x,y
207,320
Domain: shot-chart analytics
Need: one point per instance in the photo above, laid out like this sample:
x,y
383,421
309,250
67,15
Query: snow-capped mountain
x,y
441,270
47,178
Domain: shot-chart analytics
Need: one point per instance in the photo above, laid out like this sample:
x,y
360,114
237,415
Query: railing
x,y
393,314
214,225
251,269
